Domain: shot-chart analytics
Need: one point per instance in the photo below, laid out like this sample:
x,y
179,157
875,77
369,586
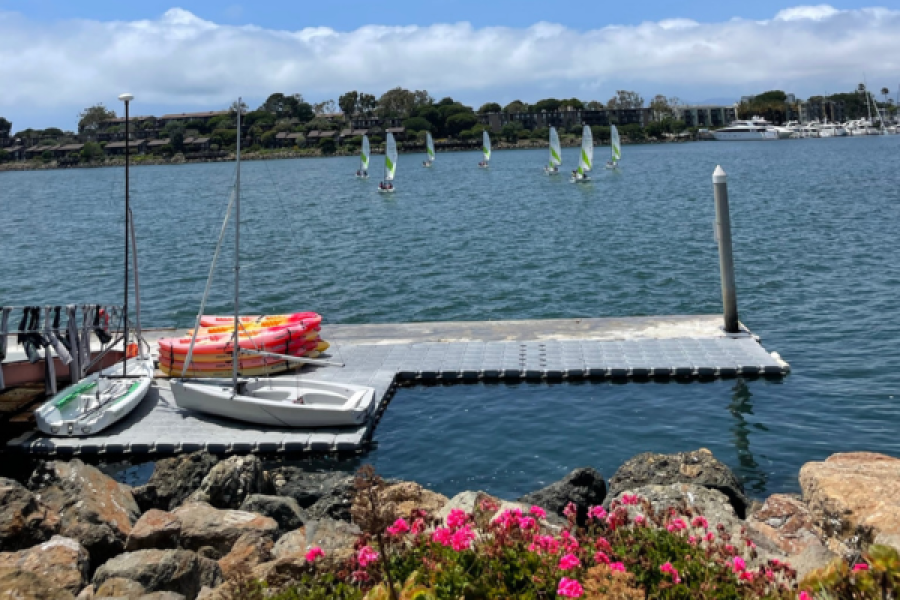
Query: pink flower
x,y
860,567
738,564
692,540
596,512
750,544
538,512
399,527
442,536
568,541
462,539
365,556
314,553
639,519
700,522
804,595
569,511
617,566
729,548
570,588
360,576
418,526
668,568
770,575
544,543
456,519
633,499
509,519
569,561
528,524
601,558
709,536
679,524
746,575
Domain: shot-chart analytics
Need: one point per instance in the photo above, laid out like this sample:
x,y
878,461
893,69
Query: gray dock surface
x,y
381,356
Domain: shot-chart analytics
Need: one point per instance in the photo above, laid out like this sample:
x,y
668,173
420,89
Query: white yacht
x,y
861,127
827,130
753,129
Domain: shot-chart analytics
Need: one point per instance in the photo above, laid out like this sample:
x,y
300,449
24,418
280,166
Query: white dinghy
x,y
615,146
363,171
429,150
555,154
586,161
485,150
390,166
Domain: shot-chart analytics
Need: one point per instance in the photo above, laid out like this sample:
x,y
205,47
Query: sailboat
x,y
100,399
390,166
555,154
615,149
278,401
363,171
429,150
586,160
486,150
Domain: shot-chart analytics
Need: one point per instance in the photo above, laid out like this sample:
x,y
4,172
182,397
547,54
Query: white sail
x,y
390,158
486,145
429,146
555,149
364,154
586,162
615,144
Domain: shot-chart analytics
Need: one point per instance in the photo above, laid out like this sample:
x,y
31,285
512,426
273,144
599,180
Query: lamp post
x,y
126,98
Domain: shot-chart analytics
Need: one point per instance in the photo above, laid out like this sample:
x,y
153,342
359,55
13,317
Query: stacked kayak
x,y
296,334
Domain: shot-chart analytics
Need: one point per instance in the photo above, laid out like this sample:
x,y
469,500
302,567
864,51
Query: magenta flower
x,y
692,540
538,512
569,561
601,558
399,527
860,567
709,536
632,499
314,553
700,522
569,511
770,575
596,512
750,544
639,519
617,566
568,541
668,568
462,539
545,543
366,556
569,588
804,595
603,544
418,526
746,576
442,536
527,524
738,564
456,519
729,548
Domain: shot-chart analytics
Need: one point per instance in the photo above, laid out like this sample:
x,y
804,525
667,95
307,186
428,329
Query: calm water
x,y
815,225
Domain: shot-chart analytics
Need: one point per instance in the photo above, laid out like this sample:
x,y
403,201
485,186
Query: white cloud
x,y
180,60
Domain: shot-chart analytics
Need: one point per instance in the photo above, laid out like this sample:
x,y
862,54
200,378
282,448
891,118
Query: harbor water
x,y
814,227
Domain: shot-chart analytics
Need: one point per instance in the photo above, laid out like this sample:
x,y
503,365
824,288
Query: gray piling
x,y
726,259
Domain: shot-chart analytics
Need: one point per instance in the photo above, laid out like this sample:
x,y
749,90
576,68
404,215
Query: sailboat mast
x,y
127,99
237,244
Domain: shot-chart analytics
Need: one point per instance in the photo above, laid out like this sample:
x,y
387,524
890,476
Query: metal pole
x,y
237,262
726,260
127,236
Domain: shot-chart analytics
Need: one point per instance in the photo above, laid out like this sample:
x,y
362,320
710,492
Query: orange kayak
x,y
311,318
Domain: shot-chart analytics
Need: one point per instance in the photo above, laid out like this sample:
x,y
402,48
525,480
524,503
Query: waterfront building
x,y
706,115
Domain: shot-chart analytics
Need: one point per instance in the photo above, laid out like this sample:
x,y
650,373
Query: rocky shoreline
x,y
199,522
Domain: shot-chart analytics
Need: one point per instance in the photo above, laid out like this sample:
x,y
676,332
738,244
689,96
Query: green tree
x,y
600,133
90,118
91,151
238,104
417,124
460,122
326,107
490,107
223,137
4,155
258,117
268,139
660,107
47,156
547,104
349,103
572,103
368,104
5,125
594,105
303,111
320,124
327,146
432,114
625,99
446,100
398,102
511,132
516,106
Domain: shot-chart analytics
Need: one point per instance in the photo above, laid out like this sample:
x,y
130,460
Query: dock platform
x,y
387,355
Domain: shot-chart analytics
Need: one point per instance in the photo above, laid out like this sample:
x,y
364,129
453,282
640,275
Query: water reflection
x,y
753,477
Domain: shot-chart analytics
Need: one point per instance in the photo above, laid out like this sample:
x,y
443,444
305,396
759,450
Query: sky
x,y
59,56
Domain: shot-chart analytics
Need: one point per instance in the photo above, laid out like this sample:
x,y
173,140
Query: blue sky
x,y
61,56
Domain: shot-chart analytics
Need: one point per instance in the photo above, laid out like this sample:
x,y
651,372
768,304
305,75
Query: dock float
x,y
387,355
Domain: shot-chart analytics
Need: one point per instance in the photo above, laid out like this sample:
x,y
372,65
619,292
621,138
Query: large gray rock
x,y
24,520
179,571
203,525
61,561
173,480
117,587
699,500
286,512
230,482
94,509
18,584
250,550
155,529
324,495
699,467
584,487
336,538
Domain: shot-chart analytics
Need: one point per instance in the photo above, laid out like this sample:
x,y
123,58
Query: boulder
x,y
286,512
855,497
787,523
406,496
336,538
322,494
251,549
699,467
485,507
276,573
155,529
230,481
16,584
94,509
62,561
119,587
162,596
179,571
204,525
24,520
812,558
584,487
700,500
173,480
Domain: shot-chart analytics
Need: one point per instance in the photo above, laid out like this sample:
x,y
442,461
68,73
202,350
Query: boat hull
x,y
71,414
278,402
385,191
746,136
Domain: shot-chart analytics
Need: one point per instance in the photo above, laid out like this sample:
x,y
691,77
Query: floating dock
x,y
384,356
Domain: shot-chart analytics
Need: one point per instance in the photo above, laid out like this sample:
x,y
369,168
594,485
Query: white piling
x,y
726,259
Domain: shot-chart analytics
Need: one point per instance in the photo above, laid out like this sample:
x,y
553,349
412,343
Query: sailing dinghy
x,y
615,149
429,150
390,166
363,171
555,154
100,399
485,150
277,401
586,160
